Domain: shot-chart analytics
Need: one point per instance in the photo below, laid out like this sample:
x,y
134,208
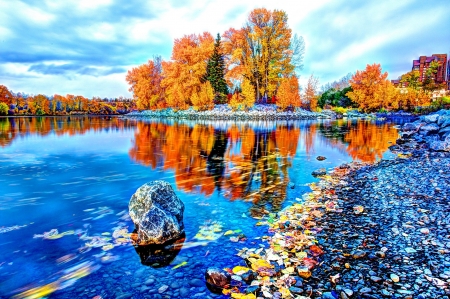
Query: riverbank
x,y
365,231
224,112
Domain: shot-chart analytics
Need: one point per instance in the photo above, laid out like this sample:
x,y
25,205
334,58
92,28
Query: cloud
x,y
89,40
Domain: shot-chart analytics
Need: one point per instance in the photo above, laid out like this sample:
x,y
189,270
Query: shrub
x,y
3,109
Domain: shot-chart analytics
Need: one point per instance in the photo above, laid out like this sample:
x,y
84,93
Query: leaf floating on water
x,y
11,228
107,247
228,232
358,209
180,265
239,270
315,250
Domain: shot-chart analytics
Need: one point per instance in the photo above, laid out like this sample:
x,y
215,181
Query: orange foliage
x,y
204,99
310,97
145,81
5,95
288,93
183,75
371,89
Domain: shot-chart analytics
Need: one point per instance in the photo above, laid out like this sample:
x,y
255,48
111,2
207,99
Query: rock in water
x,y
321,158
217,280
157,213
319,172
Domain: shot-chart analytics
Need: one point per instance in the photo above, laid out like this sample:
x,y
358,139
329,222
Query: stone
x,y
217,280
319,172
444,130
429,129
440,146
394,277
291,185
358,254
195,282
430,118
157,213
411,127
443,119
321,158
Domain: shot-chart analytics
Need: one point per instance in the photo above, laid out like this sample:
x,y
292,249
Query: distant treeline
x,y
21,104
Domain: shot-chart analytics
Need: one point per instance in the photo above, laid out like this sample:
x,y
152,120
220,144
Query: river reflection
x,y
249,161
66,183
20,127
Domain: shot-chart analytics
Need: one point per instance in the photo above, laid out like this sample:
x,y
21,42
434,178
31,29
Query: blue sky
x,y
86,46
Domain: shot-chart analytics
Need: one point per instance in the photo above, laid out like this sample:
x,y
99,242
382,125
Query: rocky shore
x,y
365,231
224,112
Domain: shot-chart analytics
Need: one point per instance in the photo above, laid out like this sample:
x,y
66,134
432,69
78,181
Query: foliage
x,y
259,52
288,93
310,97
145,81
411,79
335,98
183,75
204,99
429,82
339,110
5,95
3,109
215,72
371,89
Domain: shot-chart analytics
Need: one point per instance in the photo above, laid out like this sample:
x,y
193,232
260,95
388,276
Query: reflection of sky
x,y
89,142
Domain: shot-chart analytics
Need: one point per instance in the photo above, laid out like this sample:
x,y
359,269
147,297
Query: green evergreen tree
x,y
215,73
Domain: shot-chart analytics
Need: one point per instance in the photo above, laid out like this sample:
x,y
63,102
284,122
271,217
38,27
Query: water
x,y
66,183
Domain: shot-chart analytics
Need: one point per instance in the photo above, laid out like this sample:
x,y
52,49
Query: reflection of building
x,y
424,62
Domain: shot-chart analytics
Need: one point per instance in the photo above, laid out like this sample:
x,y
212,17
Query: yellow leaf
x,y
180,265
228,232
239,270
285,293
107,247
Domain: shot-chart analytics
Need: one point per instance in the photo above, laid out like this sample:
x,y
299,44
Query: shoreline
x,y
378,230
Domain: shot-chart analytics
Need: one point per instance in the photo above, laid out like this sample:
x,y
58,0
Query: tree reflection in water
x,y
249,161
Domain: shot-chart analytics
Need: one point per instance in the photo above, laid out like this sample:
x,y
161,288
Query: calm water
x,y
65,185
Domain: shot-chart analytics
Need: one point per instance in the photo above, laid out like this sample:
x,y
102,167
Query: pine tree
x,y
215,73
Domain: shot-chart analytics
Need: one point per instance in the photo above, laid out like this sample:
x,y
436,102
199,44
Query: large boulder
x,y
157,213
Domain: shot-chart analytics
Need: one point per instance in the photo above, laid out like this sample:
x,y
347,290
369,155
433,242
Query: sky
x,y
86,47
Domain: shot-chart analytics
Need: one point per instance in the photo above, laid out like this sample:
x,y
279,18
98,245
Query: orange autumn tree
x,y
5,95
371,89
183,75
288,93
145,81
310,97
260,51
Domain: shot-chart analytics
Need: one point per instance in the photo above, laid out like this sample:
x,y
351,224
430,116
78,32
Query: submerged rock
x,y
157,213
217,280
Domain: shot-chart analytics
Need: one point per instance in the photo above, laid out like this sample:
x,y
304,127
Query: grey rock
x,y
429,128
319,172
431,118
411,127
157,213
440,146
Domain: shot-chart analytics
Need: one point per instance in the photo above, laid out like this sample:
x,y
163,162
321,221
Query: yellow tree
x,y
288,93
260,51
183,75
367,86
204,99
244,99
310,96
145,81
